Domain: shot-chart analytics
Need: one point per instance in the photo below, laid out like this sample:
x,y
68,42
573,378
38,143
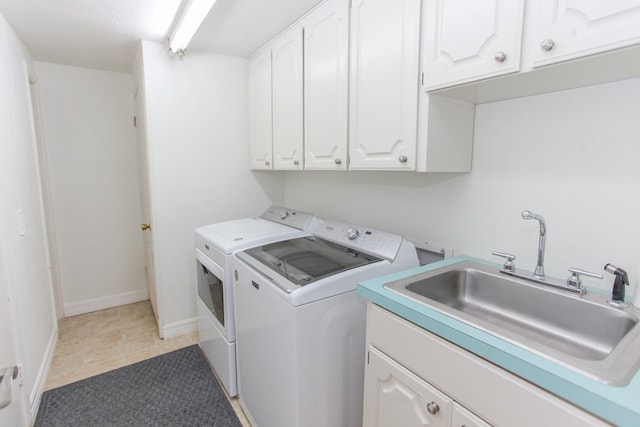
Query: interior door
x,y
145,201
13,413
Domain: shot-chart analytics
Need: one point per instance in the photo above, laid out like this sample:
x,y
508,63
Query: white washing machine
x,y
215,245
301,325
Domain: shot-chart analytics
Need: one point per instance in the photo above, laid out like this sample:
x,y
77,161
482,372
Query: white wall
x,y
92,160
198,164
25,262
572,156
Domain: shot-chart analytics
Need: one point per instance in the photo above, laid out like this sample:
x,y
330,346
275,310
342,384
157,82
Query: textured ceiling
x,y
104,34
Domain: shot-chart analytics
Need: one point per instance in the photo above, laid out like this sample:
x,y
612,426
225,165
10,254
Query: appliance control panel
x,y
375,242
290,217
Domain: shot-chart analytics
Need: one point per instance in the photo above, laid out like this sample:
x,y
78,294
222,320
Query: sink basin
x,y
581,332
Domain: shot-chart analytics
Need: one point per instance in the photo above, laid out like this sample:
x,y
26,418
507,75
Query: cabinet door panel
x,y
395,396
463,418
326,50
469,40
383,84
287,100
583,27
260,129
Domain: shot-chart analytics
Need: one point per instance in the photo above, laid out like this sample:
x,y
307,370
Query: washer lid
x,y
305,260
233,235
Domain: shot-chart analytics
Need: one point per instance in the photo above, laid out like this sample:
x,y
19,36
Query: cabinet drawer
x,y
497,396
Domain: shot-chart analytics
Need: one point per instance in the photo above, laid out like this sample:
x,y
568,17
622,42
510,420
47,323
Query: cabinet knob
x,y
266,163
402,159
296,162
547,44
500,56
433,408
338,162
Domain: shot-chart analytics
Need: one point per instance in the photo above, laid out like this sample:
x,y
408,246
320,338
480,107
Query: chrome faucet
x,y
538,273
573,283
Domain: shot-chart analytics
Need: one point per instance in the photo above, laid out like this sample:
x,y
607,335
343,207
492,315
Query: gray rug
x,y
175,389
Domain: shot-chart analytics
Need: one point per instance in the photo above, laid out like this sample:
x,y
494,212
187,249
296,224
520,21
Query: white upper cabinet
x,y
326,78
385,37
571,29
287,87
467,40
260,125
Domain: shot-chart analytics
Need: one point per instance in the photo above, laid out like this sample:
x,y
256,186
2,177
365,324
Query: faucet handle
x,y
574,280
509,265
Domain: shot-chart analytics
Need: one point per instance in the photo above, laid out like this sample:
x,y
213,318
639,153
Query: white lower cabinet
x,y
461,417
394,396
415,378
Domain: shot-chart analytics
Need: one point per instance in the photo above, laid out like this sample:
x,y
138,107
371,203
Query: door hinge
x,y
422,79
368,355
135,121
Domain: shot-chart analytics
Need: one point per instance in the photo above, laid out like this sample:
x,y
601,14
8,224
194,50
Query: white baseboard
x,y
183,327
95,304
38,388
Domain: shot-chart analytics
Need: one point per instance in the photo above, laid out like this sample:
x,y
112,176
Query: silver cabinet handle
x,y
402,159
433,408
266,163
500,56
547,44
338,161
296,162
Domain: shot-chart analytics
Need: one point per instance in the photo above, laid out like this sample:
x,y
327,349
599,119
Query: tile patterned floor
x,y
94,343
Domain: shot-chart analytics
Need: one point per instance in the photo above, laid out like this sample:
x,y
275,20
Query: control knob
x,y
284,215
352,233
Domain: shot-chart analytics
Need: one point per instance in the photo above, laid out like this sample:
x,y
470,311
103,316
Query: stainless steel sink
x,y
580,332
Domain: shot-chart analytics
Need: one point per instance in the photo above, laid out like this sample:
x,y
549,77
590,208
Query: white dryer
x,y
301,325
215,245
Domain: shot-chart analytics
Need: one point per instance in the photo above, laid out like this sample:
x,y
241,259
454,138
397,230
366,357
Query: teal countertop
x,y
617,405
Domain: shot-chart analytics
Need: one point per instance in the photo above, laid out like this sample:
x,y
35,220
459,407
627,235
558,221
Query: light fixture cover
x,y
192,16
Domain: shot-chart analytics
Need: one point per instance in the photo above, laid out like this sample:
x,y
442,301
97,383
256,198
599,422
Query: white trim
x,y
95,304
183,327
43,373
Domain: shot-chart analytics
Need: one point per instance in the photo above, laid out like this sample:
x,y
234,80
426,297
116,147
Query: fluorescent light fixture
x,y
192,16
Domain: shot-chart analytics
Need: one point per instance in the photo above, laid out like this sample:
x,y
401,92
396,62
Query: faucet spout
x,y
539,271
